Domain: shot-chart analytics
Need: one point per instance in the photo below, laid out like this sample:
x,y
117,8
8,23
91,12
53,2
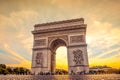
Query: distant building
x,y
102,70
97,68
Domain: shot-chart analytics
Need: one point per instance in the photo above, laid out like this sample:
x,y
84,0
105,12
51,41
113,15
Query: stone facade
x,y
49,36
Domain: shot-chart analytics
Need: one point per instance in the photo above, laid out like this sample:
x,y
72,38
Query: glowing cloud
x,y
16,24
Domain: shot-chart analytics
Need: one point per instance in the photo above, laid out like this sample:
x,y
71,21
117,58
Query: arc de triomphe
x,y
49,36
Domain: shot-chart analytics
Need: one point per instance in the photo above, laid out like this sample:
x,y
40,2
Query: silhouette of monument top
x,y
60,22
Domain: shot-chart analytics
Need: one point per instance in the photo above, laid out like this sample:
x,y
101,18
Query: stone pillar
x,y
53,64
77,54
77,59
40,62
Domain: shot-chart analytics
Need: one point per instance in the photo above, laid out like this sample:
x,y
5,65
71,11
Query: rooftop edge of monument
x,y
59,22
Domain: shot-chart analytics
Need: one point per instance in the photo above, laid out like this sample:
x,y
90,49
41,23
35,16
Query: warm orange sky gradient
x,y
17,18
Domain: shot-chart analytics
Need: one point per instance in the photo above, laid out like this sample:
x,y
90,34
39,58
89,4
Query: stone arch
x,y
57,43
63,38
53,46
49,36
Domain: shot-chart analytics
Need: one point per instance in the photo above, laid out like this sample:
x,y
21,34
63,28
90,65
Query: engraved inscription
x,y
39,59
78,57
40,42
77,39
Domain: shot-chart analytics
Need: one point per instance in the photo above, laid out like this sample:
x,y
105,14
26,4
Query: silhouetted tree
x,y
13,70
3,66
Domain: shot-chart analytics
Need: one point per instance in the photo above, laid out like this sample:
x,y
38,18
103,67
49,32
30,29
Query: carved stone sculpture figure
x,y
78,57
39,59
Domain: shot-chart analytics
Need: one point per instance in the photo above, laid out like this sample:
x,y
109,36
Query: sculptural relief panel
x,y
77,39
39,59
78,57
40,42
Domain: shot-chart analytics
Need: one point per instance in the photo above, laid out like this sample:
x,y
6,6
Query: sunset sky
x,y
17,18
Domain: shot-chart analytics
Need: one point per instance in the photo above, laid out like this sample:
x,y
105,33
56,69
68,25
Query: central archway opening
x,y
59,60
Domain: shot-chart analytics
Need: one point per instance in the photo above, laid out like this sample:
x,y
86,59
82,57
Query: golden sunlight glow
x,y
61,58
102,33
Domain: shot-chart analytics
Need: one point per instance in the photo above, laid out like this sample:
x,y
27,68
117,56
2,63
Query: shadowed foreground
x,y
61,77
